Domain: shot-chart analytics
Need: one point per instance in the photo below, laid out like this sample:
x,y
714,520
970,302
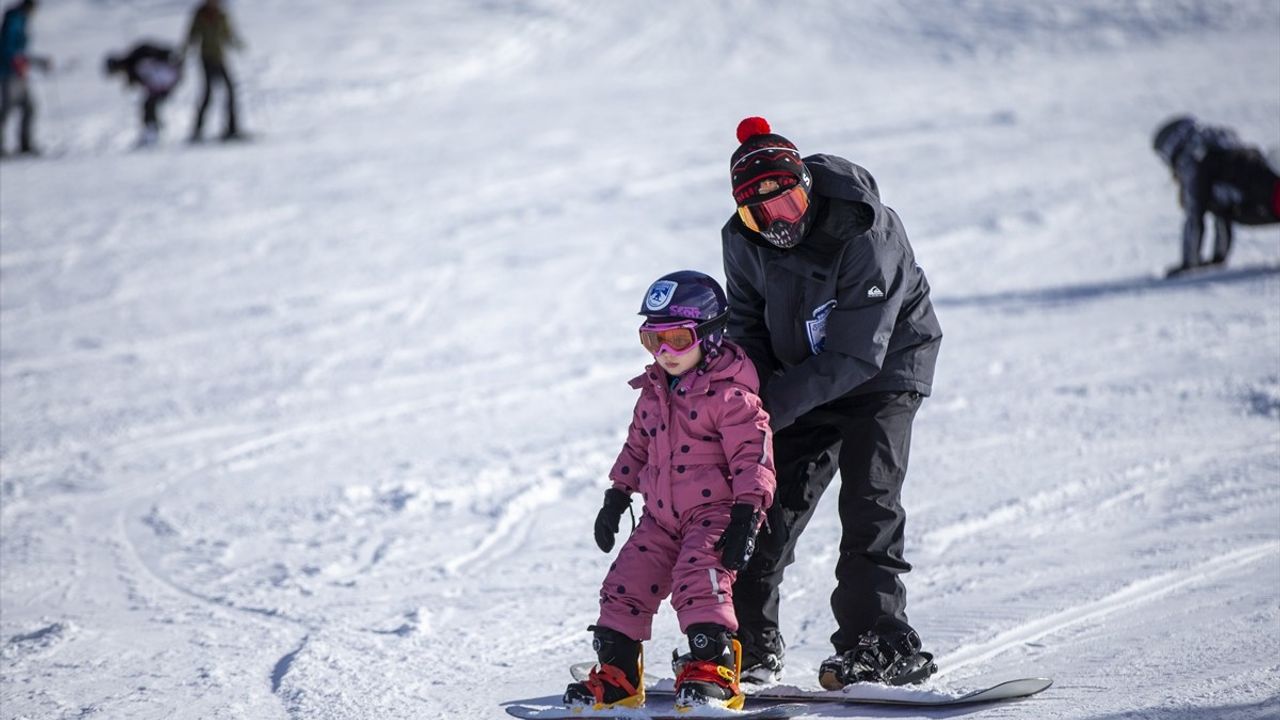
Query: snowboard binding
x,y
890,656
708,675
617,681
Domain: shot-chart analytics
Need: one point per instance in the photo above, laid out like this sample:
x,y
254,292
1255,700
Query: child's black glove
x,y
738,541
616,502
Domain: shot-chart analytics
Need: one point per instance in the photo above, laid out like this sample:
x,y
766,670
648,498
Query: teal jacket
x,y
13,39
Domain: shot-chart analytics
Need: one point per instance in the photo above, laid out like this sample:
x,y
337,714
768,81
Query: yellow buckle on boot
x,y
731,676
736,702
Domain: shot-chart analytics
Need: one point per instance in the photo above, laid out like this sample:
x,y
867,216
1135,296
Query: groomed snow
x,y
316,426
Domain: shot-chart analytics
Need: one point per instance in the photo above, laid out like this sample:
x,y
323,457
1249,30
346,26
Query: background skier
x,y
157,70
211,30
15,67
1220,174
698,449
826,298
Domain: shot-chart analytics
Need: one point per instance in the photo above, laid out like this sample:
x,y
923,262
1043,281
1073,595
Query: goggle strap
x,y
786,181
706,327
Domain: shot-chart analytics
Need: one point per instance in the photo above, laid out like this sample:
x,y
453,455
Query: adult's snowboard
x,y
861,694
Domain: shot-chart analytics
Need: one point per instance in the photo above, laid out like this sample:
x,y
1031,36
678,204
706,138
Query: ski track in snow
x,y
1065,500
1142,591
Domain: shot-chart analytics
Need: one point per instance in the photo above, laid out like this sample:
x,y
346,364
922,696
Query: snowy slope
x,y
316,426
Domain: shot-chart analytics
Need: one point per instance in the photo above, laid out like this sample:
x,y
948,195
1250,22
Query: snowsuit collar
x,y
730,364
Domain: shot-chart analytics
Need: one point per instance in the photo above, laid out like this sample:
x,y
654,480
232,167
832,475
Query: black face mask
x,y
786,235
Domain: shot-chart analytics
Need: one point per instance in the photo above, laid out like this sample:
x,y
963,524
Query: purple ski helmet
x,y
689,295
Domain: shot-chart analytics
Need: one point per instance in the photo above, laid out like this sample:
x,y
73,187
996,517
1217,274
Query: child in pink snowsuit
x,y
700,451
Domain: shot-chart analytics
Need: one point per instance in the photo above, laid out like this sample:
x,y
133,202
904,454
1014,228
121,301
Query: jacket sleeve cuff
x,y
754,499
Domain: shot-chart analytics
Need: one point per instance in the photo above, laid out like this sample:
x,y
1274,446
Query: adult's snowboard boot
x,y
890,654
709,675
615,682
762,658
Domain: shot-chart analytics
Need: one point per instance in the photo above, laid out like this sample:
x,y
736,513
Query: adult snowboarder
x,y
1219,174
211,30
827,299
15,68
699,450
156,69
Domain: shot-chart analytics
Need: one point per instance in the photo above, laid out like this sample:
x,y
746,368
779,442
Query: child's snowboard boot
x,y
710,675
615,682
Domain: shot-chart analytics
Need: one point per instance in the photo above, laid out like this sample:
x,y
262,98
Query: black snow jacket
x,y
154,66
845,312
1220,174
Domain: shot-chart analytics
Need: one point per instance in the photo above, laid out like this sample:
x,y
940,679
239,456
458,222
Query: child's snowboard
x,y
662,710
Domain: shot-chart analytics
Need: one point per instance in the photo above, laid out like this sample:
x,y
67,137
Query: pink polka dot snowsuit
x,y
693,451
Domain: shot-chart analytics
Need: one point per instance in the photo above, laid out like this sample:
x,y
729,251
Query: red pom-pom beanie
x,y
763,154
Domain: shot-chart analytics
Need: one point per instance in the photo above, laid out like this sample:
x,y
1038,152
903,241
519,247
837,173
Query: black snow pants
x,y
151,110
868,438
215,71
1259,185
15,93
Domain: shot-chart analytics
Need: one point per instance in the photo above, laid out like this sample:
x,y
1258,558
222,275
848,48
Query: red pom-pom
x,y
751,127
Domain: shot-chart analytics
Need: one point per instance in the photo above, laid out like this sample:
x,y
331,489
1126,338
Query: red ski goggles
x,y
788,206
677,338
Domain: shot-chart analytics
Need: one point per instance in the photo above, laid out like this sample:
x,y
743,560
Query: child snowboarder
x,y
700,451
1219,174
157,69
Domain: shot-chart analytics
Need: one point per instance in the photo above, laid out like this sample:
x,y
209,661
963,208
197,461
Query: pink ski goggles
x,y
788,206
677,338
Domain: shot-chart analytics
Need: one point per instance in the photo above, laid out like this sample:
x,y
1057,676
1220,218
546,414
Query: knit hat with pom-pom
x,y
761,155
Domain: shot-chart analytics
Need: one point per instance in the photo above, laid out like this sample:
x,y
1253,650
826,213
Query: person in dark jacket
x,y
1219,174
15,66
211,30
827,300
157,70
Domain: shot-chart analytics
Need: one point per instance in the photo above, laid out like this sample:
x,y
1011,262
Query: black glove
x,y
616,502
738,541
